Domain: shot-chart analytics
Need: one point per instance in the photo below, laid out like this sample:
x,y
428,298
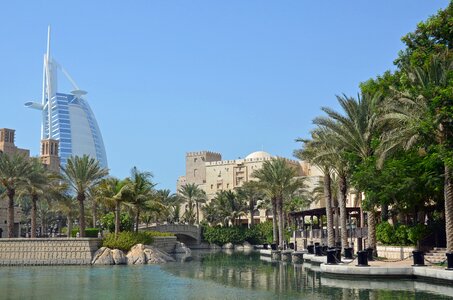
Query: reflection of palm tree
x,y
82,173
14,170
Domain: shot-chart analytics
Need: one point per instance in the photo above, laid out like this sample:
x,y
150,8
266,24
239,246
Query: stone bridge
x,y
187,234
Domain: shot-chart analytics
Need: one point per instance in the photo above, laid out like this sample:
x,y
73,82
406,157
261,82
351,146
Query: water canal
x,y
208,276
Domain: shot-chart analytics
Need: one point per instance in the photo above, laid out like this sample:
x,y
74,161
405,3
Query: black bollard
x,y
274,246
419,258
318,250
317,244
348,253
362,258
338,254
291,246
324,250
449,261
331,257
265,246
370,254
311,249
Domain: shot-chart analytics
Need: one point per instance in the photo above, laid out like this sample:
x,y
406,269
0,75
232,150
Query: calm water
x,y
209,276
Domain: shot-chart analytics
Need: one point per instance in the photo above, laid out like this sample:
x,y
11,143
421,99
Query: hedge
x,y
258,234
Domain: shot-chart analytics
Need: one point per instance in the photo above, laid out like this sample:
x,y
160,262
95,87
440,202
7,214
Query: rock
x,y
247,245
239,247
228,246
180,248
103,257
118,257
215,247
155,256
136,255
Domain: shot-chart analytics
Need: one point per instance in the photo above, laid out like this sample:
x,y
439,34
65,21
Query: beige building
x,y
212,174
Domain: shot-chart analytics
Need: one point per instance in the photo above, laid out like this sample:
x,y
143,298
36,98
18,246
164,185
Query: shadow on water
x,y
286,280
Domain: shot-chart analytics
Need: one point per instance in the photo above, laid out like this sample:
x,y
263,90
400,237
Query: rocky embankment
x,y
138,255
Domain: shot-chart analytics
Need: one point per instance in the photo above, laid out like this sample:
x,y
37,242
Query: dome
x,y
258,154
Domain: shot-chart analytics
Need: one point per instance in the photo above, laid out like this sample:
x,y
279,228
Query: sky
x,y
169,77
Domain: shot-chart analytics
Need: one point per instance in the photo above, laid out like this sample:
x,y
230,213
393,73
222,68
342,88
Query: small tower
x,y
7,140
49,154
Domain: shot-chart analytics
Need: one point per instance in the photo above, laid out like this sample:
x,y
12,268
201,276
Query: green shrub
x,y
385,233
159,234
416,233
126,222
89,232
401,235
126,239
258,234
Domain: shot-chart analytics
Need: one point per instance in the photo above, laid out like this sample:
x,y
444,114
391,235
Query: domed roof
x,y
258,154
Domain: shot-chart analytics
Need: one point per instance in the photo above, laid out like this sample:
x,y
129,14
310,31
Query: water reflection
x,y
286,280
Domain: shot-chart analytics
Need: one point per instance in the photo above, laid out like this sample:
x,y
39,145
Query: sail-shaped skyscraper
x,y
67,118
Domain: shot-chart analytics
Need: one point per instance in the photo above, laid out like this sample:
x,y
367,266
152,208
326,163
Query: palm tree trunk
x,y
137,219
81,198
10,193
328,198
117,217
95,210
280,223
274,221
343,213
448,195
198,213
34,200
372,230
251,208
69,220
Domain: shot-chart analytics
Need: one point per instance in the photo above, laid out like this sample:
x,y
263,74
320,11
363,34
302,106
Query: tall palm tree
x,y
319,152
65,204
327,152
422,113
140,190
193,195
355,131
276,178
231,207
171,203
39,182
111,191
250,192
82,173
14,171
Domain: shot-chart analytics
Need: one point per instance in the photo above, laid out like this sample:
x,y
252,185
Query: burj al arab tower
x,y
67,117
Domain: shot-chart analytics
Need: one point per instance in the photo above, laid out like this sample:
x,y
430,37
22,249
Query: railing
x,y
322,233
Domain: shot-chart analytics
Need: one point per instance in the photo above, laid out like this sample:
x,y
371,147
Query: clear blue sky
x,y
168,77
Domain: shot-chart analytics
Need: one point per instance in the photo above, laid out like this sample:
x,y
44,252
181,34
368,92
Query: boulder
x,y
103,257
180,248
155,256
136,255
118,257
247,245
228,246
239,247
215,247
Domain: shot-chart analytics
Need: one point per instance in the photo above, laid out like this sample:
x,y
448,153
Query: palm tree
x,y
67,205
355,131
318,152
326,151
276,178
422,113
140,191
82,173
39,181
14,171
251,193
230,207
171,203
111,191
193,195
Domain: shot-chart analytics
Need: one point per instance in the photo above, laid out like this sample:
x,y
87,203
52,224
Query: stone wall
x,y
48,251
394,252
165,243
